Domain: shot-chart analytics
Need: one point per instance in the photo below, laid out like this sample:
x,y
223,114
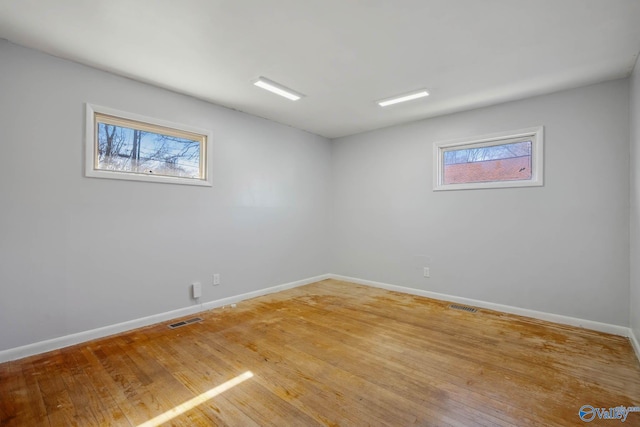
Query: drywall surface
x,y
80,253
635,200
562,248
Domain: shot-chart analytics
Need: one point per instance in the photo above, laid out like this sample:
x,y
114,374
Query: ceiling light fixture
x,y
278,89
403,98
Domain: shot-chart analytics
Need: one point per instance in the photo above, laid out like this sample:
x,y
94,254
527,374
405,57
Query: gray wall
x,y
635,201
79,253
562,248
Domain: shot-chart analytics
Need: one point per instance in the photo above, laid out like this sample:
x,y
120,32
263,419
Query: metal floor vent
x,y
463,308
185,322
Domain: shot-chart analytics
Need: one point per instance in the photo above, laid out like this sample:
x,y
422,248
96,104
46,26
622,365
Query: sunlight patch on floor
x,y
198,400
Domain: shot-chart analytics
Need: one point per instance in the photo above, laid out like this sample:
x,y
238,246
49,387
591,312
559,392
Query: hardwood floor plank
x,y
55,394
20,401
159,380
34,412
271,371
513,350
363,360
331,353
9,386
225,361
137,404
367,404
106,411
363,344
202,375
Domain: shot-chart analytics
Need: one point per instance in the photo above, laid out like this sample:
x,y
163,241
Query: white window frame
x,y
91,148
533,134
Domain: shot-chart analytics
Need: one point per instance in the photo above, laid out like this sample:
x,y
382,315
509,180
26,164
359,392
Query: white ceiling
x,y
342,54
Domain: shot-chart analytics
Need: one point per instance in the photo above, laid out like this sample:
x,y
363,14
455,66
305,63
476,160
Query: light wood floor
x,y
330,353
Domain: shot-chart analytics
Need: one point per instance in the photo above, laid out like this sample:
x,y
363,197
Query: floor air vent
x,y
463,308
185,322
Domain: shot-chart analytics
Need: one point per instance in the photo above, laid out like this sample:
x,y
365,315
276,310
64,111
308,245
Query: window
x,y
509,159
122,145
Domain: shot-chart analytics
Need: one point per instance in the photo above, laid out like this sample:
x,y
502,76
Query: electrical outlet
x,y
196,289
426,272
216,279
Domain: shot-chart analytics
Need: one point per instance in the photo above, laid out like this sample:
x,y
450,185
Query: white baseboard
x,y
550,317
80,337
635,342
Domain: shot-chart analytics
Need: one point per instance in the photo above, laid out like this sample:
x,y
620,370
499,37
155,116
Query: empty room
x,y
319,213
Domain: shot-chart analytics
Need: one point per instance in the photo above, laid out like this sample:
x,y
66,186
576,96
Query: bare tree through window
x,y
128,146
132,150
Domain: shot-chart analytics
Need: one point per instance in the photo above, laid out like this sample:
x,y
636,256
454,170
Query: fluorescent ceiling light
x,y
278,89
402,98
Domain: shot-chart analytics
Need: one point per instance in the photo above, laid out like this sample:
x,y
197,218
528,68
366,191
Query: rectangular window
x,y
122,145
509,159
